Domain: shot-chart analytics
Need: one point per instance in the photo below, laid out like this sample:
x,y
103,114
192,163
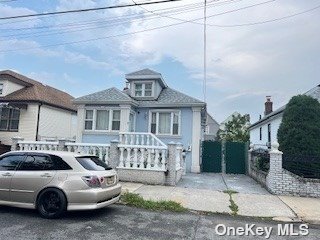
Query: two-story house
x,y
34,111
146,105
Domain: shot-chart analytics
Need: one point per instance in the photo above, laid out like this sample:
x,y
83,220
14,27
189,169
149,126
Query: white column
x,y
80,122
196,137
124,118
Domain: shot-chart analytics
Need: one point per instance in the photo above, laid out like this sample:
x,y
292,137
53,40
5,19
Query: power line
x,y
85,10
126,34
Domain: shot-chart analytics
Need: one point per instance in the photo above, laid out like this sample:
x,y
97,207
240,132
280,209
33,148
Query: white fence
x,y
38,145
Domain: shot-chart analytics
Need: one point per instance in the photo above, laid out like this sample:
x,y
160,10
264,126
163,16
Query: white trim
x,y
171,111
143,83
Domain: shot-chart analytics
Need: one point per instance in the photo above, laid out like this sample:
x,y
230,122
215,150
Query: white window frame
x,y
143,89
172,112
110,109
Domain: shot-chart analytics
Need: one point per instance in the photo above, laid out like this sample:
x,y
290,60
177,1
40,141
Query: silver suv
x,y
54,182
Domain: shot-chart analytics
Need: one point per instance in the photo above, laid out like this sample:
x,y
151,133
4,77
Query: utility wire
x,y
85,10
124,34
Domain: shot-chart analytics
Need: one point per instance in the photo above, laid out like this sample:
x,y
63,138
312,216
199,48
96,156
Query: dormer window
x,y
143,90
1,88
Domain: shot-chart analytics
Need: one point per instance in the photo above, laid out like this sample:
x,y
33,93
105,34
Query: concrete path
x,y
307,209
220,182
256,205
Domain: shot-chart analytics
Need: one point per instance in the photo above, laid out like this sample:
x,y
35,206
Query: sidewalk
x,y
281,208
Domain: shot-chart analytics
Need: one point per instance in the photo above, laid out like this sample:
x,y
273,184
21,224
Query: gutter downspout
x,y
38,120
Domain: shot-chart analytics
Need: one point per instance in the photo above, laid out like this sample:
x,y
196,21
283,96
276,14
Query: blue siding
x,y
142,121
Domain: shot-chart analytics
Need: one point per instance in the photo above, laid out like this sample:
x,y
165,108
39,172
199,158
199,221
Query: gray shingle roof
x,y
169,96
109,95
145,71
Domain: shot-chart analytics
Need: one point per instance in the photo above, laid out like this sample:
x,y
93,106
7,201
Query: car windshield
x,y
93,163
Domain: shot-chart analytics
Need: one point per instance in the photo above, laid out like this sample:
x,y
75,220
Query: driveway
x,y
221,182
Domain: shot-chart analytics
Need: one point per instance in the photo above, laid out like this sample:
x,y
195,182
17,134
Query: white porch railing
x,y
140,139
38,145
101,150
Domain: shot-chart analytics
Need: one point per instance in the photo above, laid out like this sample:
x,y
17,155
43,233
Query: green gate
x,y
235,156
211,156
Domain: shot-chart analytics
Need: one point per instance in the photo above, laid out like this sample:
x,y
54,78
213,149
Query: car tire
x,y
51,203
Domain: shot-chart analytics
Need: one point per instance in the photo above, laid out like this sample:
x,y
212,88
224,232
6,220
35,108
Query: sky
x,y
244,63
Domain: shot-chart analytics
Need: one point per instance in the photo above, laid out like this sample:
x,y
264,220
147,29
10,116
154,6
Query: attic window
x,y
143,90
1,88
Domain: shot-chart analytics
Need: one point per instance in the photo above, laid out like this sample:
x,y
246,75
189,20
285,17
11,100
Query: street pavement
x,y
122,222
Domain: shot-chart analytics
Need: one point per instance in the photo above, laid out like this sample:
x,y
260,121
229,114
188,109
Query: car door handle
x,y
46,175
7,174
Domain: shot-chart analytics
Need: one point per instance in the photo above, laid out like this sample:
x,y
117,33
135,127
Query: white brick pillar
x,y
124,118
196,138
171,164
274,177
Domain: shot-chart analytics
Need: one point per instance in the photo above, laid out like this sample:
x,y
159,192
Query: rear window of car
x,y
93,163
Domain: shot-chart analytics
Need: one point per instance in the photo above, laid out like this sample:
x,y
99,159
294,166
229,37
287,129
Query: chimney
x,y
268,106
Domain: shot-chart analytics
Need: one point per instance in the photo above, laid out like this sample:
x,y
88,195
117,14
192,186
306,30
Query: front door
x,y
36,171
8,165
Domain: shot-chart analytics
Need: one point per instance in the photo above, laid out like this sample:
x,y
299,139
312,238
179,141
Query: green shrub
x,y
299,132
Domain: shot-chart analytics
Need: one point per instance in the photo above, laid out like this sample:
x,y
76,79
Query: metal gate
x,y
235,155
211,156
229,157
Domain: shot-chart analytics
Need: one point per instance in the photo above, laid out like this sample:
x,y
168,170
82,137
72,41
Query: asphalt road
x,y
121,222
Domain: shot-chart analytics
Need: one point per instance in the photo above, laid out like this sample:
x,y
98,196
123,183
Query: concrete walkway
x,y
279,208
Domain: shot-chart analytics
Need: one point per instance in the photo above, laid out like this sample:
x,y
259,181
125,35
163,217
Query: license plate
x,y
110,180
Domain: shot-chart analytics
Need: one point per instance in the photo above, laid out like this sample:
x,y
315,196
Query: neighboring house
x,y
264,131
146,105
212,127
34,111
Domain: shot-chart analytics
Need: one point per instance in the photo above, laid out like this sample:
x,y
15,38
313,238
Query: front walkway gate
x,y
211,156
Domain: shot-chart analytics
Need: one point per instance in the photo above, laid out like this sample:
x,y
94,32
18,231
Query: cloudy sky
x,y
245,61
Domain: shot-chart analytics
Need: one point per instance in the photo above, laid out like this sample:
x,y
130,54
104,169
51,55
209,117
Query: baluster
x,y
131,139
135,158
156,159
148,140
152,141
126,139
137,139
141,160
128,165
121,163
120,138
163,159
69,148
149,159
32,146
20,146
142,139
94,150
101,153
106,154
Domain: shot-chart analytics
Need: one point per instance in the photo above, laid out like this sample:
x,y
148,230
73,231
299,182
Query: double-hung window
x,y
9,119
102,120
165,122
143,89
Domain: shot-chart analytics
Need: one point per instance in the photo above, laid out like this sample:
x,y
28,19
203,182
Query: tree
x,y
299,131
235,130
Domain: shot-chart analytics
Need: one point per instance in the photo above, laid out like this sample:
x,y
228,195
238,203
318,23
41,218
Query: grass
x,y
233,206
135,200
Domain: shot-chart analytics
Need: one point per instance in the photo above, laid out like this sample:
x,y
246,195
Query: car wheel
x,y
52,203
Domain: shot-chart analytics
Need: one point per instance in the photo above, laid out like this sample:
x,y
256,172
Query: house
x,y
264,131
212,127
228,119
147,105
34,111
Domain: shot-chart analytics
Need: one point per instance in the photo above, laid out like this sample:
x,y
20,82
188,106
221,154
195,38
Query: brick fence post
x,y
274,177
14,145
171,164
114,155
